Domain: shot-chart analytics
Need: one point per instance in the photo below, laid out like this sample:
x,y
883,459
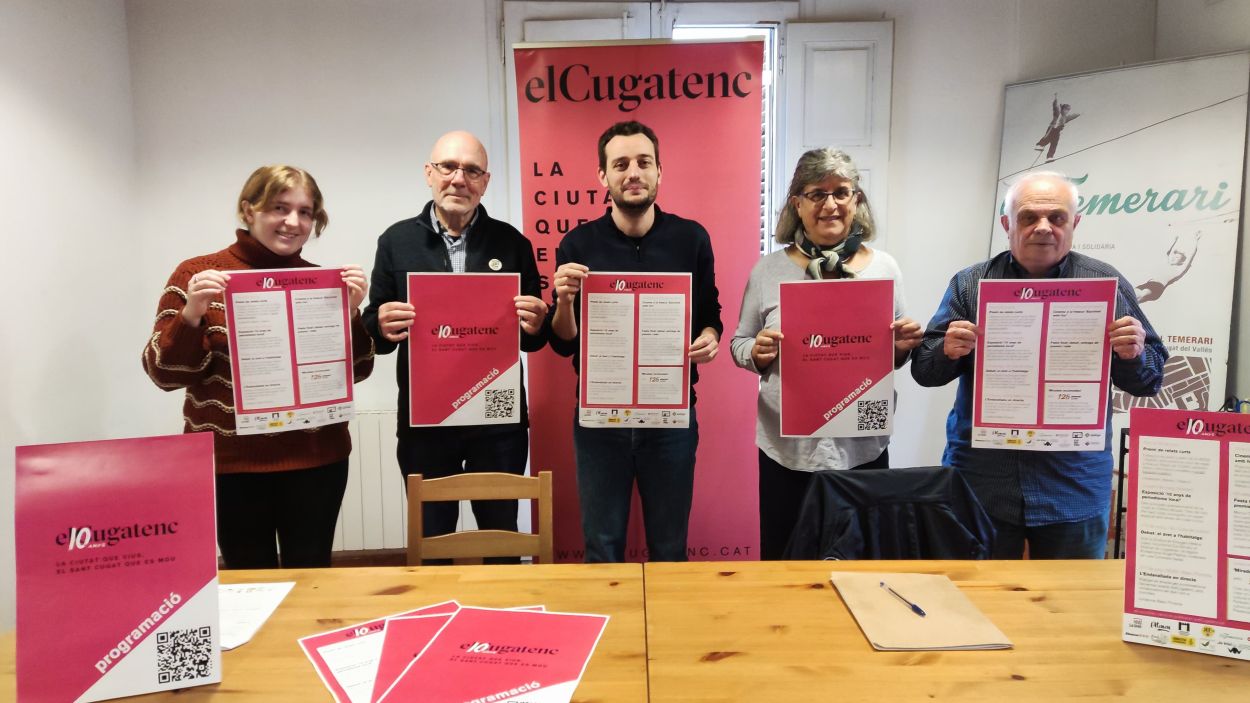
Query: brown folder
x,y
890,623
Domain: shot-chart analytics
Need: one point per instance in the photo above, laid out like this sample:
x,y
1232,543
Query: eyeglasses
x,y
840,196
449,168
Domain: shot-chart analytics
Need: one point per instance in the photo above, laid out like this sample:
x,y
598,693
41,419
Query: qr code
x,y
500,403
872,415
184,655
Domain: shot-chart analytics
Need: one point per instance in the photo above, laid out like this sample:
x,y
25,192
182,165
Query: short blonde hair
x,y
268,182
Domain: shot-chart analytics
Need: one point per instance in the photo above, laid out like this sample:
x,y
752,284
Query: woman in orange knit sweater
x,y
288,484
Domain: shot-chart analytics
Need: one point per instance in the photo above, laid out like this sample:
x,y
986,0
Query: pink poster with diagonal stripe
x,y
464,349
1043,364
116,568
837,358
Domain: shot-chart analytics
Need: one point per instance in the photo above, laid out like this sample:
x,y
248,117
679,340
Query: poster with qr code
x,y
464,349
1043,364
116,539
635,350
836,359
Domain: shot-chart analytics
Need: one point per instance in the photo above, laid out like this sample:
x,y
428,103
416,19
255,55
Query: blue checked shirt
x,y
455,245
1023,487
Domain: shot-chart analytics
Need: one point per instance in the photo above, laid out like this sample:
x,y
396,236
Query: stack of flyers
x,y
449,652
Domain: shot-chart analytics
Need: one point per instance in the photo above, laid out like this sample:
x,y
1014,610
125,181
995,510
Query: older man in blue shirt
x,y
1057,502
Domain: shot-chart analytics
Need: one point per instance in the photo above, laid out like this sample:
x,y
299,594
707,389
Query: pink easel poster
x,y
116,568
1187,571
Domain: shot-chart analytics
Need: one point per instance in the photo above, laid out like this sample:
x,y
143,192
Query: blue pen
x,y
914,608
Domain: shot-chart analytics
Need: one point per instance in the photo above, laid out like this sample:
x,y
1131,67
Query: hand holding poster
x,y
837,356
635,341
1043,364
465,347
1187,576
116,568
291,349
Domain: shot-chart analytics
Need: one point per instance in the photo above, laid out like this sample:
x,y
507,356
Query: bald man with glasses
x,y
454,234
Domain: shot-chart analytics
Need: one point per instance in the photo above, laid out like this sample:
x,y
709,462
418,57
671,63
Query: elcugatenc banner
x,y
704,102
1157,151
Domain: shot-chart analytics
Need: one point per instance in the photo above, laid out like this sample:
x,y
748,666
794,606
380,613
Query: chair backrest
x,y
917,513
480,543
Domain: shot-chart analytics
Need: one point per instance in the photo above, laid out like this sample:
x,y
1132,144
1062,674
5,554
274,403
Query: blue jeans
x,y
609,461
1083,539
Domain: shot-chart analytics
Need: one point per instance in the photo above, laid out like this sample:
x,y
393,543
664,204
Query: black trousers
x,y
300,507
447,451
781,495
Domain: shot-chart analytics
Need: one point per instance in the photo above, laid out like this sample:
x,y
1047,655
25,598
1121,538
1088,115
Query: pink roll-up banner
x,y
703,99
116,568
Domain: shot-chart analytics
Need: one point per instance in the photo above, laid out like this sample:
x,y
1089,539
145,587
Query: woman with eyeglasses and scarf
x,y
824,226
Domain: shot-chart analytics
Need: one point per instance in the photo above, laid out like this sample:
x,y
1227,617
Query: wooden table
x,y
753,631
273,668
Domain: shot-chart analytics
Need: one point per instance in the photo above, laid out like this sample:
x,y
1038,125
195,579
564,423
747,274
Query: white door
x,y
837,93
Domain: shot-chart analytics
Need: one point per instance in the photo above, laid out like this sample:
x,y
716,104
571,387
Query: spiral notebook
x,y
891,618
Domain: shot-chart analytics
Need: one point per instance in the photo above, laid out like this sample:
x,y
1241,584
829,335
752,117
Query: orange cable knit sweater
x,y
198,359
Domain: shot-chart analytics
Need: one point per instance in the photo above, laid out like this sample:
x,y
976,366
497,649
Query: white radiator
x,y
374,513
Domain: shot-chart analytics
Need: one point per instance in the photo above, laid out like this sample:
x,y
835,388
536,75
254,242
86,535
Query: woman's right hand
x,y
202,289
764,351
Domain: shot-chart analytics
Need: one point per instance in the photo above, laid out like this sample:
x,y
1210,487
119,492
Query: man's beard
x,y
633,208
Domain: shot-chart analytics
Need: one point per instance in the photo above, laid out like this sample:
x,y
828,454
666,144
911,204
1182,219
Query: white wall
x,y
69,362
1193,28
356,92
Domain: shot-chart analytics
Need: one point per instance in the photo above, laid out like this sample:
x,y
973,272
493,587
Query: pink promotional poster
x,y
635,339
465,347
116,539
1187,571
291,349
403,640
346,659
837,358
483,654
1043,364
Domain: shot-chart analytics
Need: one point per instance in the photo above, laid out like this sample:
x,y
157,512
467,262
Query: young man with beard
x,y
634,235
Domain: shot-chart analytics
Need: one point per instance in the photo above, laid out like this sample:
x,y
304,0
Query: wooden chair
x,y
471,546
